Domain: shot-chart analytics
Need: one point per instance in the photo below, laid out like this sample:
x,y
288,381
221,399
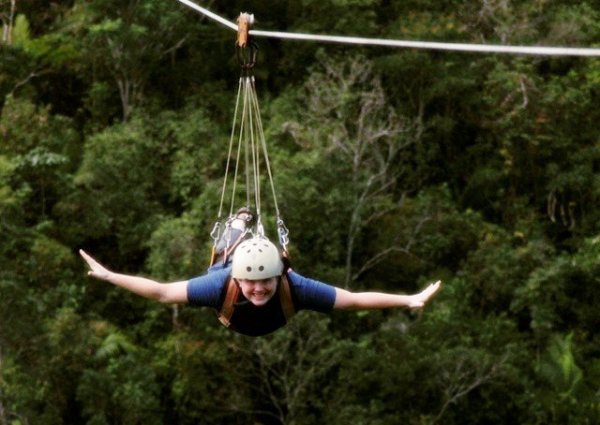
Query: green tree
x,y
346,118
120,191
124,43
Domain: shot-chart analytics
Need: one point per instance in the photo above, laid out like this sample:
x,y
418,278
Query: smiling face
x,y
258,292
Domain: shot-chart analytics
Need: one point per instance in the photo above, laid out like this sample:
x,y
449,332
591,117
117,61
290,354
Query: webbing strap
x,y
233,291
285,296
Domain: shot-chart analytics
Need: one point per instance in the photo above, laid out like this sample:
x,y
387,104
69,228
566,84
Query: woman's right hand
x,y
97,270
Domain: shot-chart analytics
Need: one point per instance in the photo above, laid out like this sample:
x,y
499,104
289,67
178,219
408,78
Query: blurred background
x,y
393,168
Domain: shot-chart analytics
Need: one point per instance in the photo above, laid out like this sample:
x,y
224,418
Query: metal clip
x,y
215,233
260,229
283,233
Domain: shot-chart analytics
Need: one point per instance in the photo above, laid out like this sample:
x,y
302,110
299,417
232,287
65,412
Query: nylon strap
x,y
233,291
285,296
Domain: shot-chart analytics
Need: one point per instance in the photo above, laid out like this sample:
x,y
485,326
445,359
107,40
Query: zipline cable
x,y
208,13
462,47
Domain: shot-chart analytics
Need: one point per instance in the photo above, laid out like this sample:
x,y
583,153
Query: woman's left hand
x,y
419,300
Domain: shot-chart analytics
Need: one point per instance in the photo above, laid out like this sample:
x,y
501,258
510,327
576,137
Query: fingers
x,y
96,269
85,256
427,294
434,287
431,289
91,262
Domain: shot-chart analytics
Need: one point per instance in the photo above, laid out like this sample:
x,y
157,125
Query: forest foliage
x,y
393,167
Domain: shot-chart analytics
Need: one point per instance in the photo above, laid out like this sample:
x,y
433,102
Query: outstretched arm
x,y
174,293
346,300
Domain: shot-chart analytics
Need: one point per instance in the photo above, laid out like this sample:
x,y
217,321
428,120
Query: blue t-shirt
x,y
307,294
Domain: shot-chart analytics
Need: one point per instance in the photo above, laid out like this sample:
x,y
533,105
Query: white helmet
x,y
256,259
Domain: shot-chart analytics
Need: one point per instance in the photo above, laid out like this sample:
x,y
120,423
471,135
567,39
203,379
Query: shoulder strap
x,y
285,296
233,291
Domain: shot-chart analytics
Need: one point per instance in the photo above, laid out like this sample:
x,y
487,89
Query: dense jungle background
x,y
393,167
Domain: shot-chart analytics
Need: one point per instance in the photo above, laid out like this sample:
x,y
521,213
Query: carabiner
x,y
283,233
215,233
246,56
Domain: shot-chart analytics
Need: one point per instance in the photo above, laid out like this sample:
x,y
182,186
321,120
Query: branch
x,y
461,387
266,381
175,47
406,249
417,230
382,212
27,79
376,259
523,92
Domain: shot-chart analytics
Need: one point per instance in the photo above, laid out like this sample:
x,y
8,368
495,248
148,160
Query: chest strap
x,y
233,293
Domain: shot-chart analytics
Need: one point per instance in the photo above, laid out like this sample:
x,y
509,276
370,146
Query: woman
x,y
256,295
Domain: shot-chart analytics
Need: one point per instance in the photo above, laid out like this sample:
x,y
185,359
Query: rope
x,y
241,140
235,113
462,47
263,141
248,126
215,233
253,148
251,135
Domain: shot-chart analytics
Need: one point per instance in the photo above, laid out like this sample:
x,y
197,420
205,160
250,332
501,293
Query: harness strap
x,y
285,296
233,292
213,257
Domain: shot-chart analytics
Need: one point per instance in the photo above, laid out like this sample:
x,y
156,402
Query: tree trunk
x,y
7,23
